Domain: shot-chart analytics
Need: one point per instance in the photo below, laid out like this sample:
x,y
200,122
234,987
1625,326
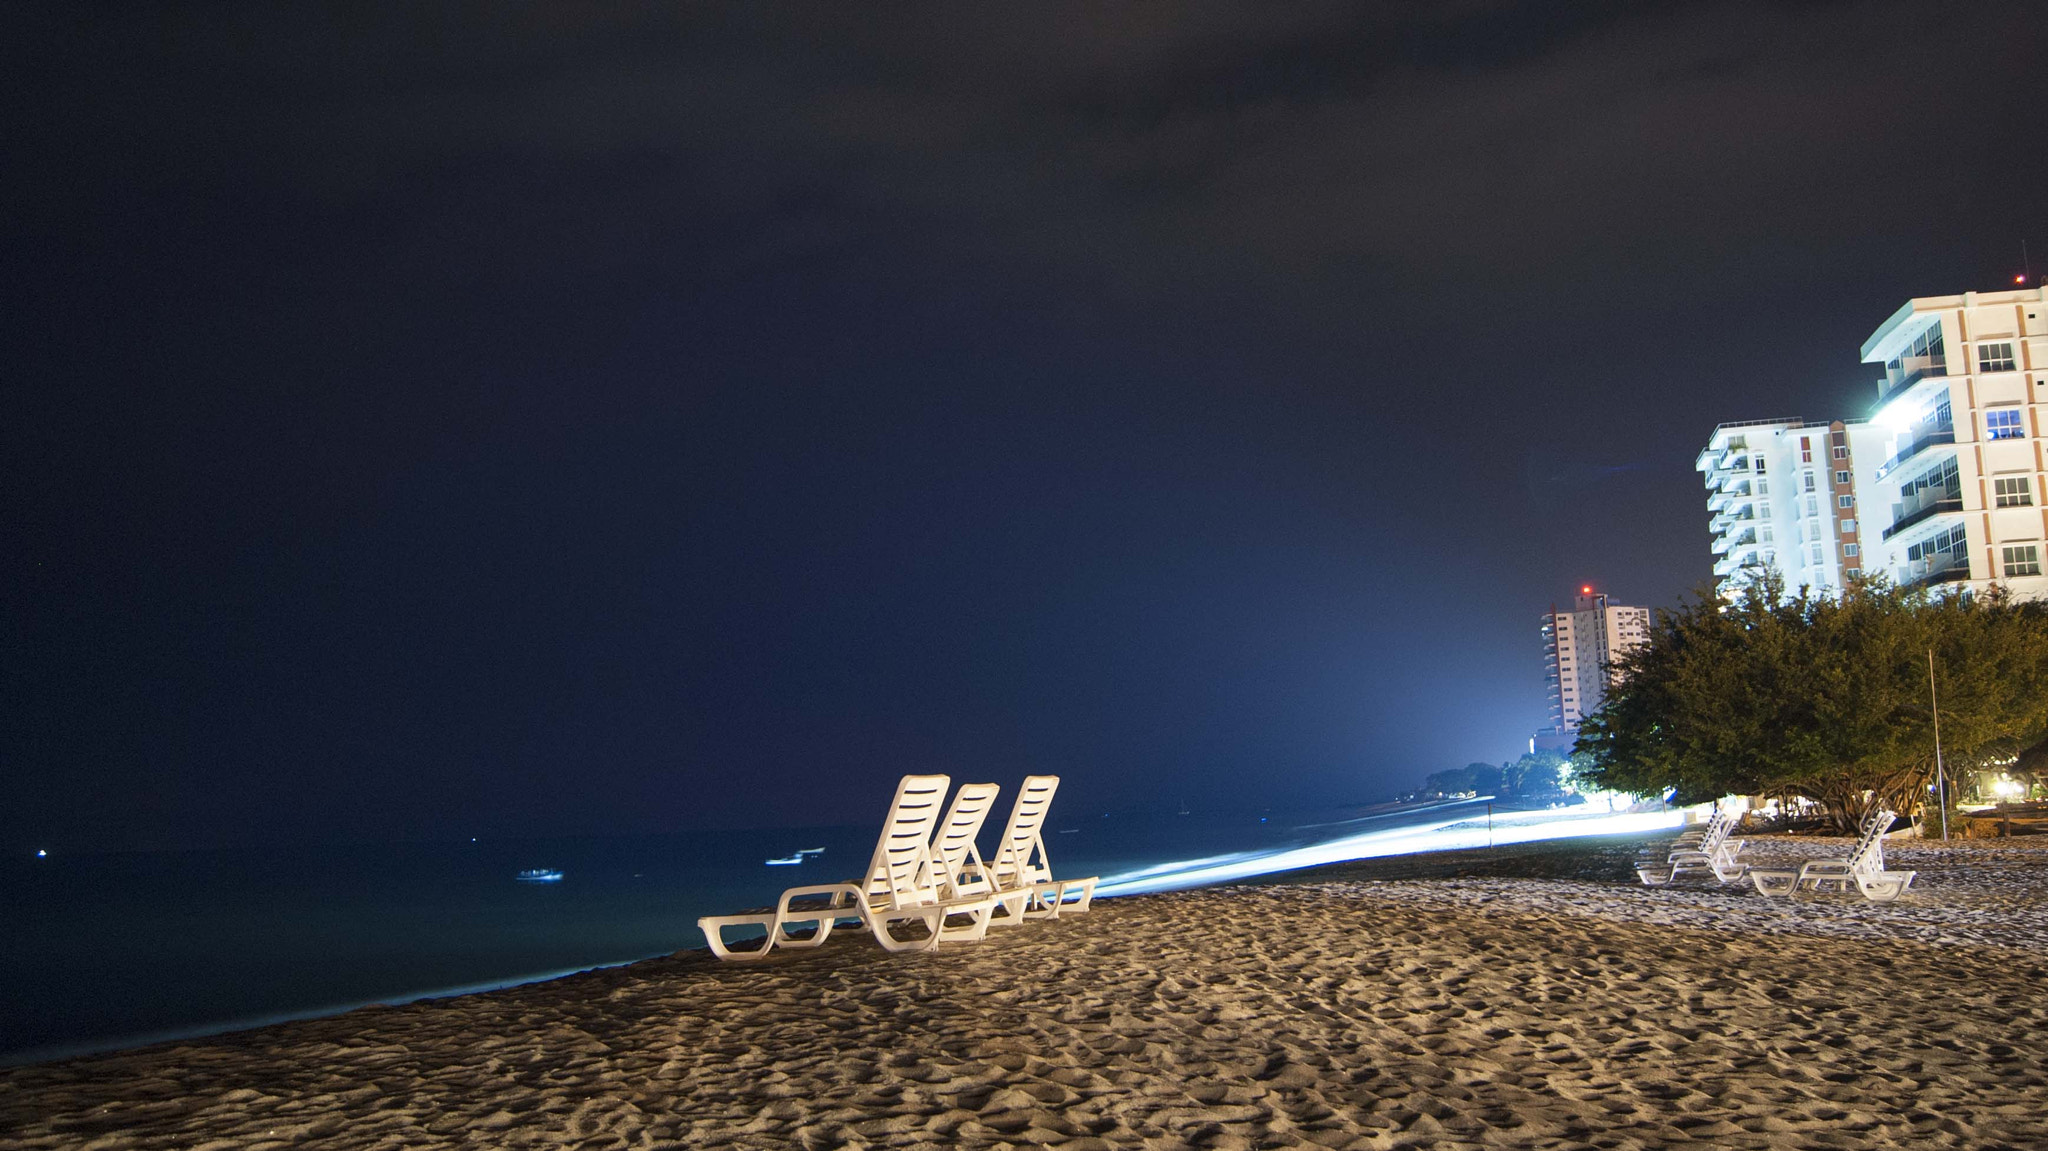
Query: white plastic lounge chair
x,y
1712,852
1021,873
900,886
956,861
1864,868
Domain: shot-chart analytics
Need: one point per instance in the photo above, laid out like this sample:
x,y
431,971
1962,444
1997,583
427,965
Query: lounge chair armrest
x,y
857,899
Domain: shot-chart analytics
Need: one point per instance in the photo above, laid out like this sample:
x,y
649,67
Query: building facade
x,y
1964,396
1789,494
1943,484
1580,648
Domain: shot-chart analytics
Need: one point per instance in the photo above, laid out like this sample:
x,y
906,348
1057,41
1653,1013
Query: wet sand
x,y
1532,996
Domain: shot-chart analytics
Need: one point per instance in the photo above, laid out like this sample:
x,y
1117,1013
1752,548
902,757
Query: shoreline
x,y
1518,997
58,1052
1369,840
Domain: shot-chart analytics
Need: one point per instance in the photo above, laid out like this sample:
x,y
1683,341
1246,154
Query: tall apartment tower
x,y
1964,398
1580,648
1944,484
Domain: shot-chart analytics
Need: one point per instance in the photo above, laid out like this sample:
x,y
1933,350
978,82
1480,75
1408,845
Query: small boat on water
x,y
540,875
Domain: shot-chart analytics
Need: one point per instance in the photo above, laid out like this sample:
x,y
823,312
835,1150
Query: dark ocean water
x,y
110,950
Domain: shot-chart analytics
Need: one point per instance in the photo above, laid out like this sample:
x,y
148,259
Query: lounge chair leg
x,y
825,922
1012,906
934,921
1774,883
973,930
1087,889
714,929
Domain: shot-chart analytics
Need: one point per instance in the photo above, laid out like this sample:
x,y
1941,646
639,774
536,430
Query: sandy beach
x,y
1527,997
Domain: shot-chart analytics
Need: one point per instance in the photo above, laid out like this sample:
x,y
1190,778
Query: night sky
x,y
426,420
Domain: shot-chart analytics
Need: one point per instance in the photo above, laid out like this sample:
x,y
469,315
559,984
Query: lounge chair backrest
x,y
954,847
1020,856
1869,853
901,873
1718,826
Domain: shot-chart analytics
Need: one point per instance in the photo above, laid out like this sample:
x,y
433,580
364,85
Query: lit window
x,y
1805,450
1995,357
1849,550
2022,560
2012,492
2003,424
1841,477
1841,452
1845,501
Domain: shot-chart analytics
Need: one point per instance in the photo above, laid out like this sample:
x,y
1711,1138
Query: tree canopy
x,y
1822,696
1539,776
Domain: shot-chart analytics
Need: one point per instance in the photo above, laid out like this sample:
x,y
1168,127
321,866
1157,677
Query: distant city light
x,y
2019,279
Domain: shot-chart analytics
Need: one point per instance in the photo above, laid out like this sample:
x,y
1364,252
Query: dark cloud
x,y
531,417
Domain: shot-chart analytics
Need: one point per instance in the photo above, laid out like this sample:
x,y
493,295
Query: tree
x,y
1820,696
1538,775
1474,778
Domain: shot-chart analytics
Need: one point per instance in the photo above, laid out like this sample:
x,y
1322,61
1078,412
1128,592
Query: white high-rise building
x,y
1943,484
1580,648
1788,493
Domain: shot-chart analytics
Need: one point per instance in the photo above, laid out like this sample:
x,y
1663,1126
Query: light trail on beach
x,y
1444,835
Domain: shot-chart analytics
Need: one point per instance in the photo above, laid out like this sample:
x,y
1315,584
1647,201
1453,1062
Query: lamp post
x,y
1940,777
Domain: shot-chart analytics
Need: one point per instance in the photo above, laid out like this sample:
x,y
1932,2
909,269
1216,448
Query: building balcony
x,y
1726,444
1941,568
1911,371
1931,439
1732,495
1721,524
1734,562
1903,518
1744,538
